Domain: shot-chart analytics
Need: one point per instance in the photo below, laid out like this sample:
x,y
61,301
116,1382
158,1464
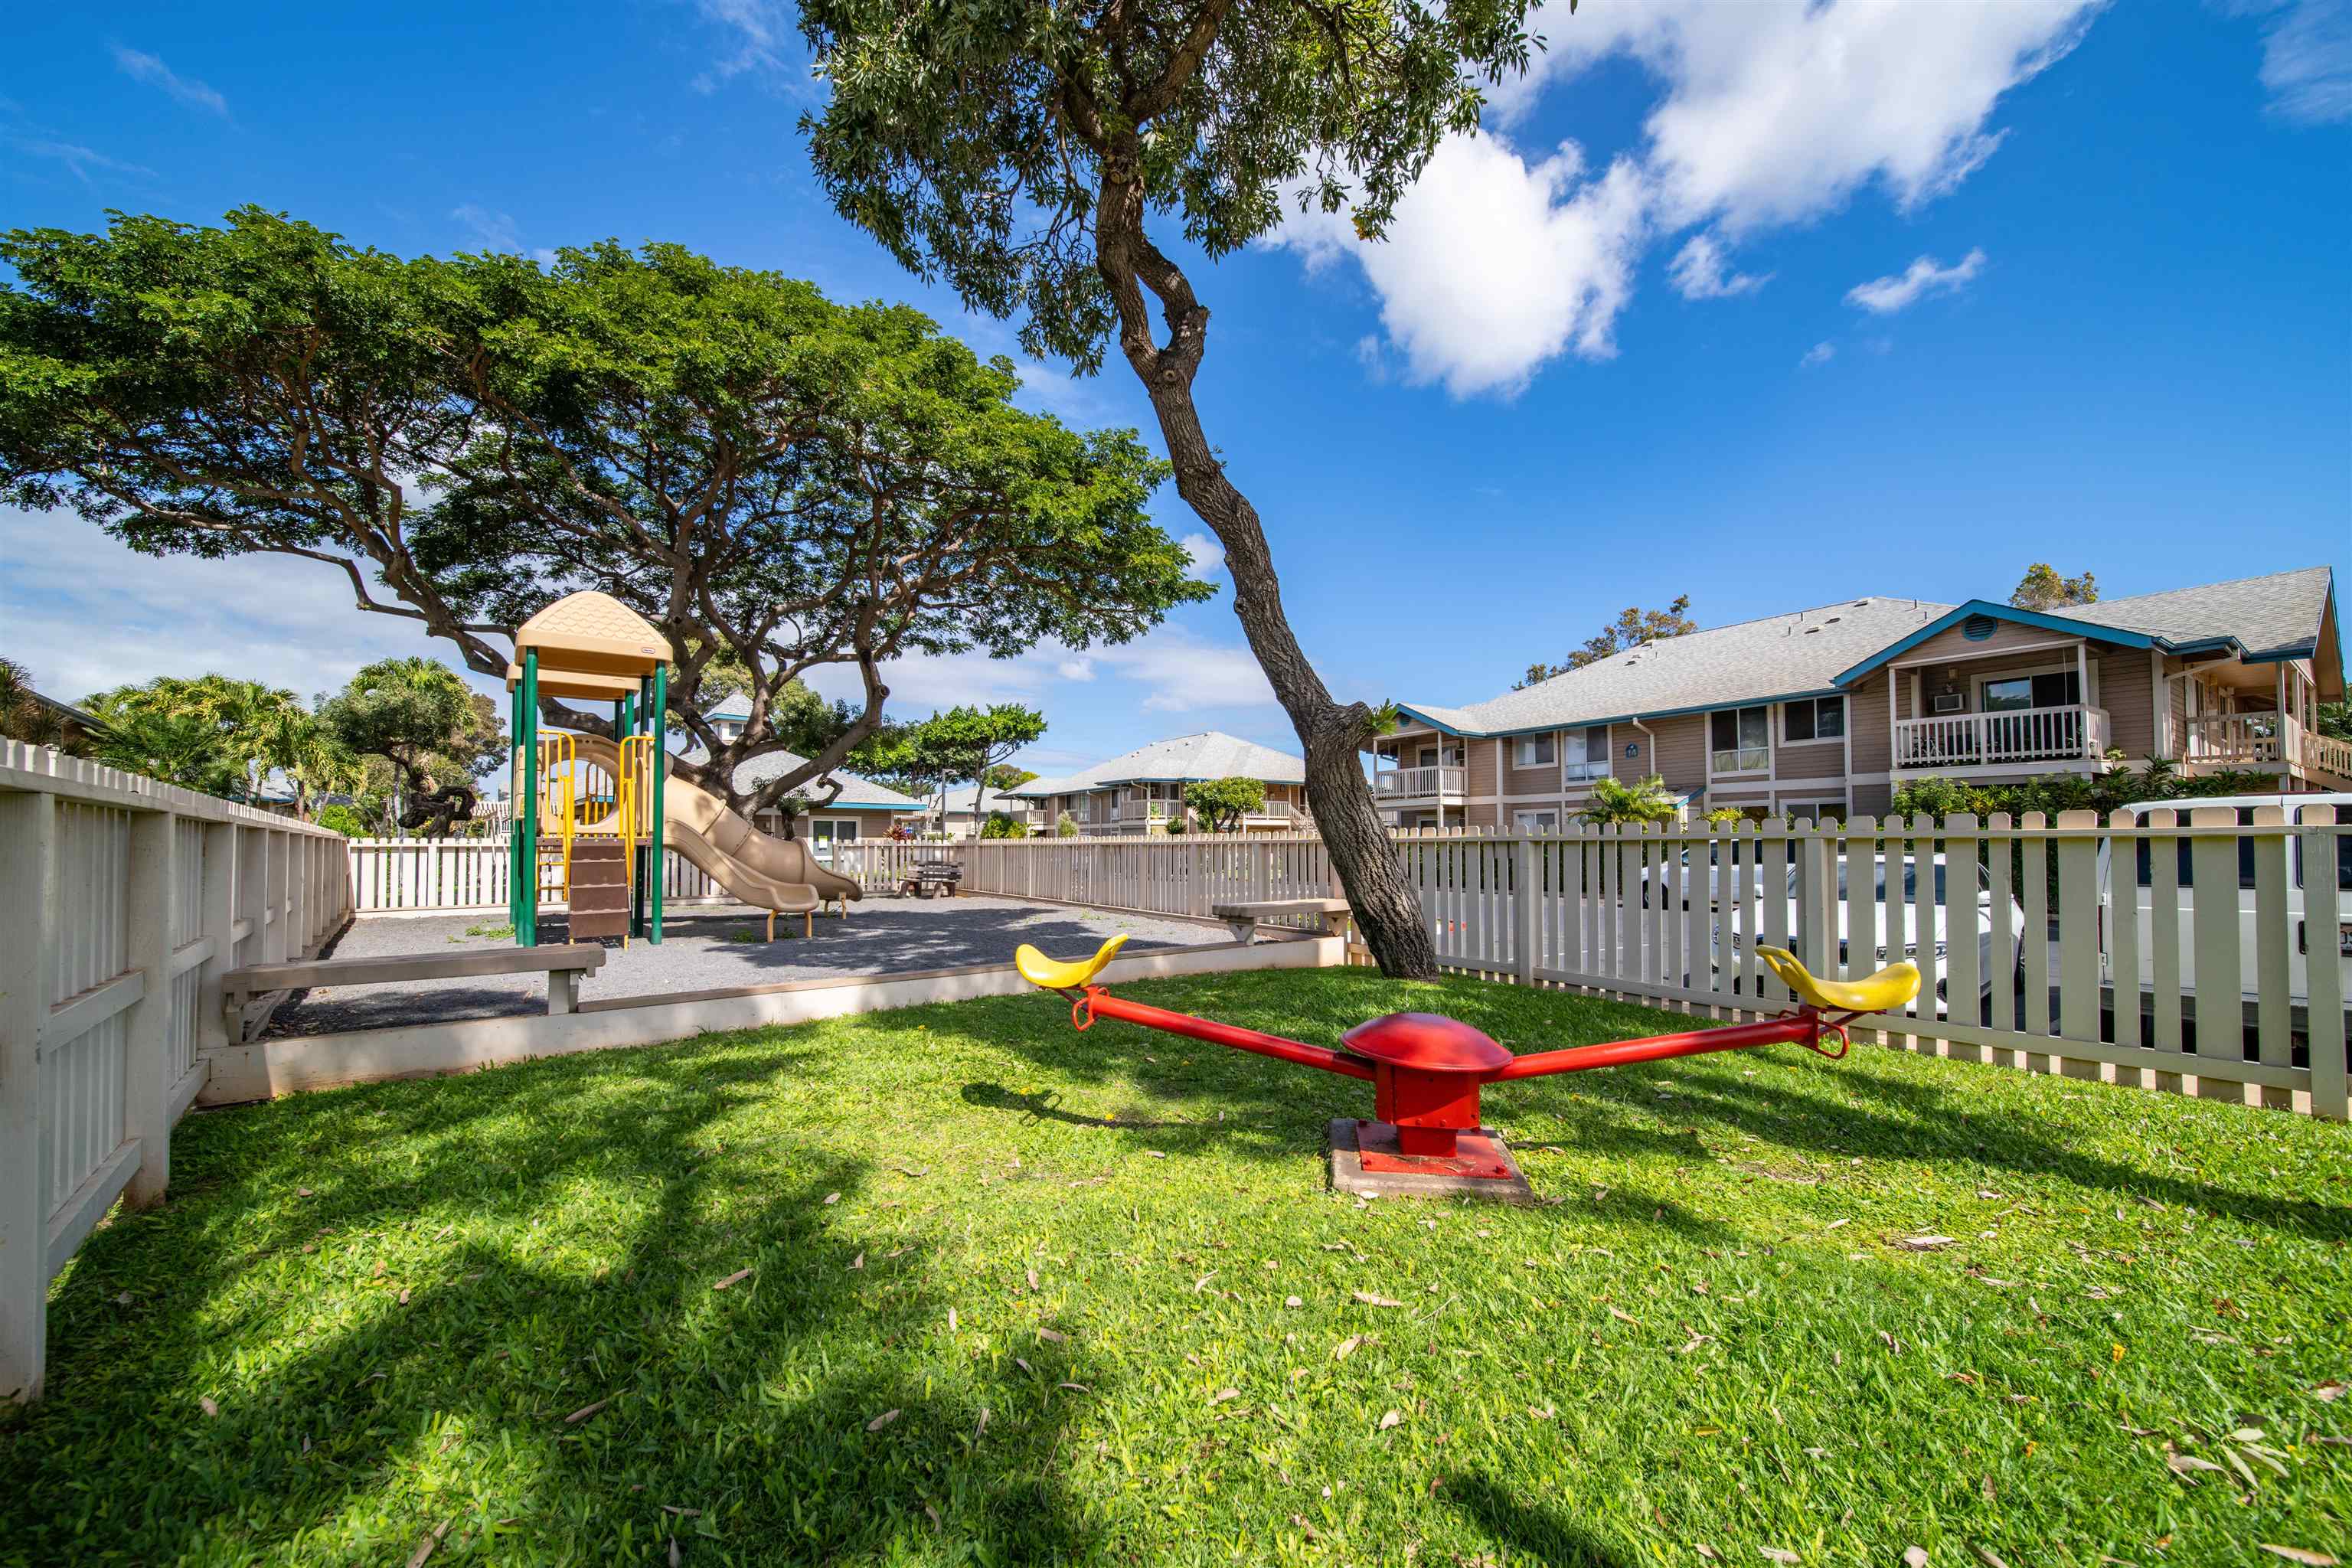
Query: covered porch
x,y
2257,718
2035,709
1421,778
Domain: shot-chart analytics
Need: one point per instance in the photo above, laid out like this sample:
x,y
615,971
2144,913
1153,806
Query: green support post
x,y
527,928
636,851
657,722
515,779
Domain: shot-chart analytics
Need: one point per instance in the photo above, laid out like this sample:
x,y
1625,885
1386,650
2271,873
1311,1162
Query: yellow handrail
x,y
558,757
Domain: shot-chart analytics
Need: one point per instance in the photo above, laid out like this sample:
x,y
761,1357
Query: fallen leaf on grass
x,y
205,1402
1925,1243
952,1320
443,1231
976,1431
1542,1412
1391,1419
858,1261
1914,1557
1293,1302
1778,1556
1054,1335
1224,1394
1624,1317
2299,1554
1347,1348
1709,1552
1032,1278
2330,1392
1157,1154
674,1558
1369,1300
585,1411
1076,1388
881,1421
735,1279
832,1198
2188,1464
403,1295
1986,1556
424,1547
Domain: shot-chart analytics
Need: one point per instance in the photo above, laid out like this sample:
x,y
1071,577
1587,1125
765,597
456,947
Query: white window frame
x,y
856,834
1815,738
1519,819
1534,750
1586,767
1763,769
1792,809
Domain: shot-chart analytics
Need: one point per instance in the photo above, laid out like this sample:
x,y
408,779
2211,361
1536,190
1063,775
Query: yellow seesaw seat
x,y
1053,975
1889,988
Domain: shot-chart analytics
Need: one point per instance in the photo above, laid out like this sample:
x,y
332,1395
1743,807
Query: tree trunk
x,y
1371,871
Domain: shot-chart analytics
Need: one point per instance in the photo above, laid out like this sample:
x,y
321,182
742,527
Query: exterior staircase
x,y
599,894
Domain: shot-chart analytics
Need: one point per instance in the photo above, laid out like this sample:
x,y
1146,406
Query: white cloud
x,y
1168,669
1076,669
1820,353
1208,554
1885,296
1768,113
1494,265
1700,271
762,37
492,230
2307,58
85,612
141,67
82,160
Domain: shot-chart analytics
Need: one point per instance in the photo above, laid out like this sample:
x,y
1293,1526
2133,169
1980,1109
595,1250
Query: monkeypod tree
x,y
1220,803
436,733
779,483
1029,151
927,756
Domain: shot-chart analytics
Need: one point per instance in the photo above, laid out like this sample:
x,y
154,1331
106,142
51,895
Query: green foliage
x,y
436,732
1002,825
1646,799
1220,803
2335,720
1004,776
2050,793
776,481
25,718
1727,814
2042,588
1715,1295
1633,627
1066,827
348,820
962,745
975,145
216,734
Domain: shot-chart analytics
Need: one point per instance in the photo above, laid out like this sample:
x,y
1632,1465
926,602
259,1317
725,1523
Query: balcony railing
x,y
1991,740
2326,753
1409,784
2263,741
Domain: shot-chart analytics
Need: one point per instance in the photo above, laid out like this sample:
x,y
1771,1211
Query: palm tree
x,y
1644,800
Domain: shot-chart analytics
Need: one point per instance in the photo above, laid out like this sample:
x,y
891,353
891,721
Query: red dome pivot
x,y
1425,1042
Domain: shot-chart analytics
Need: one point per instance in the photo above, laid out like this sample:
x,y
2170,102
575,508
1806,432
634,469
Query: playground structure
x,y
602,812
1426,1070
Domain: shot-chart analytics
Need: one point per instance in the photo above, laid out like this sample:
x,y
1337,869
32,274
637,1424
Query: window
x,y
825,832
2009,693
1532,751
1587,756
1821,719
1741,741
1536,821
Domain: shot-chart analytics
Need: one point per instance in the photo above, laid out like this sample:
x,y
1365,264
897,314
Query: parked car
x,y
2299,952
1895,922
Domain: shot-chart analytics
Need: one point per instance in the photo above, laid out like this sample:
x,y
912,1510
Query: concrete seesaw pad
x,y
1357,1161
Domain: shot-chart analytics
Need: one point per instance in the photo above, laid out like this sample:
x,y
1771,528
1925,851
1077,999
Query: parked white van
x,y
2299,954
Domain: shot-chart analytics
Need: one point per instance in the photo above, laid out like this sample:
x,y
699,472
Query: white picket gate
x,y
123,902
460,876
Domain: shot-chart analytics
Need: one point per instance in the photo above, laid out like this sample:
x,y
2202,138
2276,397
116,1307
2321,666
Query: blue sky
x,y
1766,304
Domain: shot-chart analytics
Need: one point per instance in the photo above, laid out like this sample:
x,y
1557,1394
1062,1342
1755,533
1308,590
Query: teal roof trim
x,y
1621,718
1960,613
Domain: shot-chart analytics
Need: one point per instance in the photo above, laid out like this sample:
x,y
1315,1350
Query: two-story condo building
x,y
1142,791
863,808
1830,709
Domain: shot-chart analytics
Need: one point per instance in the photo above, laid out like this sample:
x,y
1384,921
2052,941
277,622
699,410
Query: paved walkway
x,y
708,948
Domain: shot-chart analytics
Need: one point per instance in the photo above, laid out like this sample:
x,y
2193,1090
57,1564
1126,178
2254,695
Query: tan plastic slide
x,y
777,875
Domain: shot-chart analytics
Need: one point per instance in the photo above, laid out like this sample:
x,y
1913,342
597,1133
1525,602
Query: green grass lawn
x,y
998,1292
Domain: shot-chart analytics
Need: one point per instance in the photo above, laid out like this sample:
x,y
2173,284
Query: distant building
x,y
1143,790
863,809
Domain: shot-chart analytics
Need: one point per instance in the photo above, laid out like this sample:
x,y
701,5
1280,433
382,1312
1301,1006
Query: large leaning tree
x,y
780,483
1037,155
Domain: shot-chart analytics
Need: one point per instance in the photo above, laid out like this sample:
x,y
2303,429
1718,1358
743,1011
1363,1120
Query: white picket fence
x,y
1146,874
2051,984
123,902
457,876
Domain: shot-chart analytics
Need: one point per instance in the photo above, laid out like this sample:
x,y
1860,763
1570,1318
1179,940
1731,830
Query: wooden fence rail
x,y
123,902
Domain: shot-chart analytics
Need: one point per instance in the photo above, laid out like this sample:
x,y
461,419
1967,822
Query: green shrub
x,y
1067,828
347,820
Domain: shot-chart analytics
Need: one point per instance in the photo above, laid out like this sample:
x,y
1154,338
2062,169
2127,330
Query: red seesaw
x,y
1426,1069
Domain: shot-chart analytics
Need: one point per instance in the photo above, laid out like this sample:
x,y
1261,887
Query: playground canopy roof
x,y
590,646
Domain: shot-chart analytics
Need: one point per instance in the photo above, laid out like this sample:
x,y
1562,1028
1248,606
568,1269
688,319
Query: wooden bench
x,y
1243,920
250,994
932,879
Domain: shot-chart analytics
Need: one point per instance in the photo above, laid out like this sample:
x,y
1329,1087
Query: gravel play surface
x,y
713,947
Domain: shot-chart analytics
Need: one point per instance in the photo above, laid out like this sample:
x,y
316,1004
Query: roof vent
x,y
1977,628
1812,630
1862,603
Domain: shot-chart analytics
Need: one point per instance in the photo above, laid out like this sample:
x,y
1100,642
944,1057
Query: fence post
x,y
1816,899
2078,945
150,901
2321,913
1526,901
29,903
215,920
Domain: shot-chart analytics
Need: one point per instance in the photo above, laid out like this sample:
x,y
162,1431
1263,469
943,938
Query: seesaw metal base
x,y
1365,1161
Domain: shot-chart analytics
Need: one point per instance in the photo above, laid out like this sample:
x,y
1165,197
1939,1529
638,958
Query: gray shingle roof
x,y
1211,754
1752,662
1806,651
2276,614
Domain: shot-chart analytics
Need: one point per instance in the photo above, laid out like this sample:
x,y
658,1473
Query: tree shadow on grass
x,y
1920,1121
385,1373
1524,1525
